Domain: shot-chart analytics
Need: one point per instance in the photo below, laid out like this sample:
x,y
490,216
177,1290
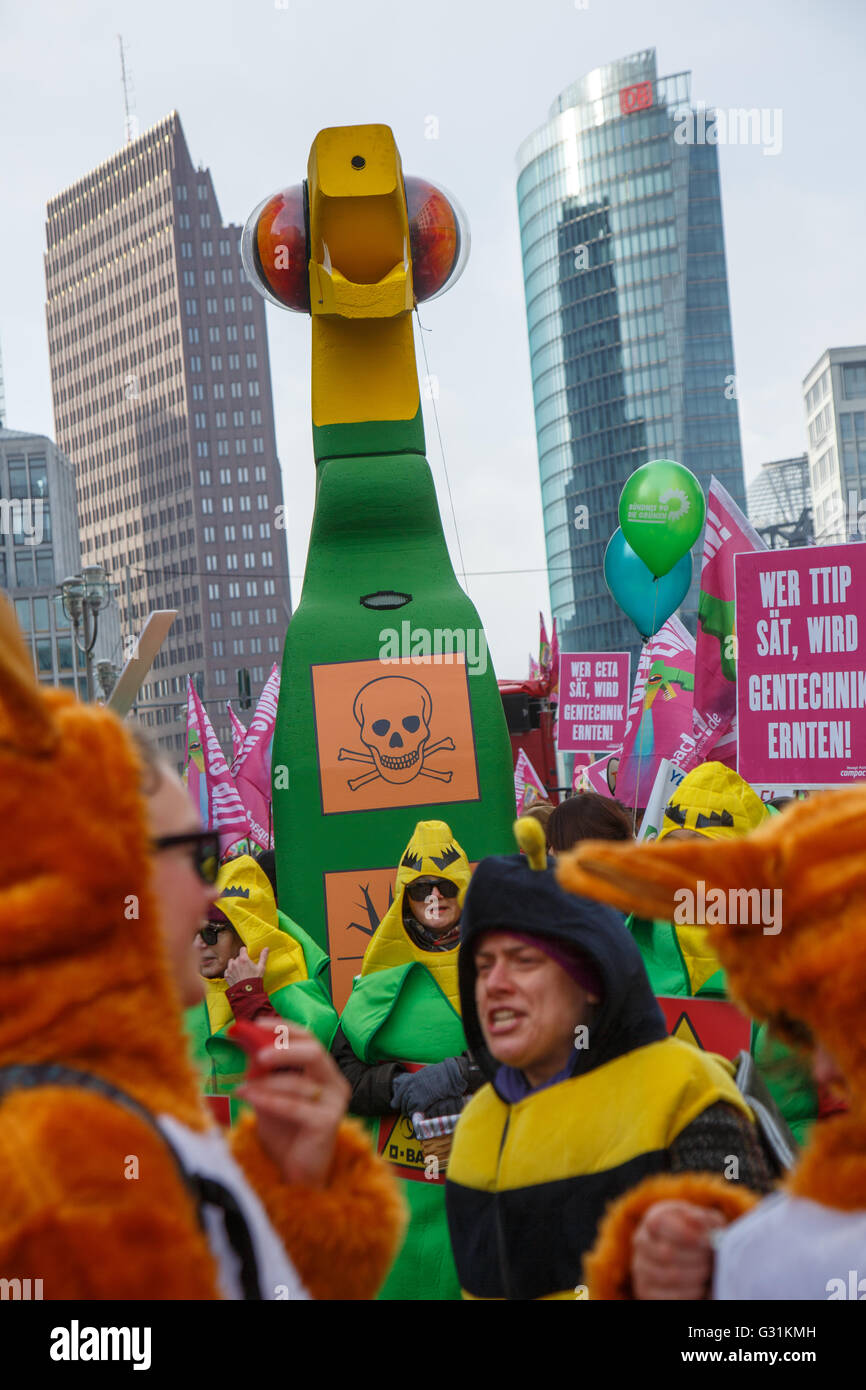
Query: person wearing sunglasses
x,y
256,965
401,1046
115,1182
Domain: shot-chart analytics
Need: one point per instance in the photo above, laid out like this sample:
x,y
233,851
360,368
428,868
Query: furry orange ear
x,y
25,720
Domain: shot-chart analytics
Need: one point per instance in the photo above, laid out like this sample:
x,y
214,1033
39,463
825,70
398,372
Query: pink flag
x,y
553,693
728,533
543,645
660,716
193,772
252,767
528,786
208,778
599,776
534,669
239,733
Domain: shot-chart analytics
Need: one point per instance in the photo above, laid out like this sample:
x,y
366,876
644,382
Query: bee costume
x,y
532,1170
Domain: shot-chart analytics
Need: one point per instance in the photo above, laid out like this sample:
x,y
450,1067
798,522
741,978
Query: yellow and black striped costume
x,y
532,1170
528,1183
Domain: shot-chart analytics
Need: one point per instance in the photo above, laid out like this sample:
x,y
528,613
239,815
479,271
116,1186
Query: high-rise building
x,y
162,400
780,502
835,396
629,326
39,548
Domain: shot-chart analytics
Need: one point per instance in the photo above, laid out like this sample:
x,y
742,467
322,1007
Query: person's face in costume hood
x,y
213,959
520,1006
529,1008
433,857
436,910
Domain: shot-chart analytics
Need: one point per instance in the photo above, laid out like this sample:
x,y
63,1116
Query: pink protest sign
x,y
801,666
593,701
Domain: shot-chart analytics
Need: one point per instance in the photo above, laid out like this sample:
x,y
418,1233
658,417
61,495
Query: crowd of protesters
x,y
528,1123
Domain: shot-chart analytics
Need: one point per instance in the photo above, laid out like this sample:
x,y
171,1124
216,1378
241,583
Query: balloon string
x,y
647,642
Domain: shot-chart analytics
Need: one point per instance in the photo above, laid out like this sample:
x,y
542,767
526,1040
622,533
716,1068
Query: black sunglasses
x,y
205,845
420,889
210,934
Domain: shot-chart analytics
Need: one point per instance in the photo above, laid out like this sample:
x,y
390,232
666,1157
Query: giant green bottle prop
x,y
389,712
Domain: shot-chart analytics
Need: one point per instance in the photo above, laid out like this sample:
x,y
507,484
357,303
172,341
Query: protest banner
x,y
239,733
593,701
801,666
660,712
528,786
207,777
252,764
599,776
728,533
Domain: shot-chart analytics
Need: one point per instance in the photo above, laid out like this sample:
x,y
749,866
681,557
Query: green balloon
x,y
661,512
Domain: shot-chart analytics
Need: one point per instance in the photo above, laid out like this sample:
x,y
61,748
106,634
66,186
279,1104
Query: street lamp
x,y
84,596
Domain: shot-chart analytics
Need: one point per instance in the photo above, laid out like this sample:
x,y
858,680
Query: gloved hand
x,y
418,1090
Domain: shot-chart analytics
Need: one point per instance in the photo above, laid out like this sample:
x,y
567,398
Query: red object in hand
x,y
252,1039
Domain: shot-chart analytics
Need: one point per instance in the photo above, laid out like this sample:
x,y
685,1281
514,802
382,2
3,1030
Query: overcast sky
x,y
254,81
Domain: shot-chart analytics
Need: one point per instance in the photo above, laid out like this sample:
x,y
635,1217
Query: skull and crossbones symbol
x,y
393,714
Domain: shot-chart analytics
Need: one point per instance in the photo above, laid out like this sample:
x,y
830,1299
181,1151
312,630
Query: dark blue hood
x,y
505,894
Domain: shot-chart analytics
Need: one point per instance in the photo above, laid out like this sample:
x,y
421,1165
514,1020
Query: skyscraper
x,y
835,396
629,326
780,502
39,548
162,400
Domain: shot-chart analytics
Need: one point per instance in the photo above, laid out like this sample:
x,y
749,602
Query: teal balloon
x,y
648,601
661,512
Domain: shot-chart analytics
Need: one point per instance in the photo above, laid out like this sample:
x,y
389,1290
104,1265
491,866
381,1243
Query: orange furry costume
x,y
808,981
85,983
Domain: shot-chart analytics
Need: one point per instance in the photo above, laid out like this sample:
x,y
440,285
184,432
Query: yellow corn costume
x,y
293,979
405,1007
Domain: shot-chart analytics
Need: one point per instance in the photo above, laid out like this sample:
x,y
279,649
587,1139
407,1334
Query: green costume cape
x,y
402,1012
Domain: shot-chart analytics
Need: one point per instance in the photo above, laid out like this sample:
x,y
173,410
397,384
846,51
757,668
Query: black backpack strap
x,y
773,1128
237,1231
29,1076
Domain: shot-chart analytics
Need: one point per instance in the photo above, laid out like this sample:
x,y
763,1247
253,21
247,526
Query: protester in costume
x,y
404,1011
714,803
587,1093
808,983
257,962
114,1183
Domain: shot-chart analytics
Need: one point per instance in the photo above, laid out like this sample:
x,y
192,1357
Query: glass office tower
x,y
629,326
